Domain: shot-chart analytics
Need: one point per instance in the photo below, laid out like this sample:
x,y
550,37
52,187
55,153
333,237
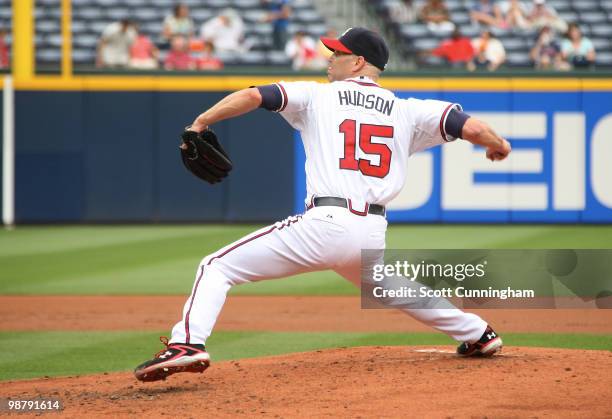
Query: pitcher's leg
x,y
204,305
283,249
461,326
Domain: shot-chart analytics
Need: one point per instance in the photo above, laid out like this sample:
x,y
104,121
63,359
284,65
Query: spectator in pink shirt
x,y
207,60
143,53
179,58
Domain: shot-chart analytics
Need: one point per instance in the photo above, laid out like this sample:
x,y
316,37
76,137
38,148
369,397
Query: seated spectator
x,y
545,54
178,23
489,52
303,51
577,51
143,53
179,58
207,60
435,14
457,50
114,45
225,31
404,11
279,14
542,14
5,61
487,13
514,14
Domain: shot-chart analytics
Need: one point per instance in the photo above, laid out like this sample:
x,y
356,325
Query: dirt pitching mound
x,y
367,382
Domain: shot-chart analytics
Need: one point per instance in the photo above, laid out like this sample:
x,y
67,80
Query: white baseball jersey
x,y
358,136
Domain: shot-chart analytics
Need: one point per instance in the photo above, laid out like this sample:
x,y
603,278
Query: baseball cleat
x,y
488,344
176,357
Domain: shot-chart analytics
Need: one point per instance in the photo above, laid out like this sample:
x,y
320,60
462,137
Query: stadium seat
x,y
84,56
432,61
117,13
253,16
307,16
135,3
604,60
48,26
201,15
85,41
278,58
48,55
461,17
518,59
585,5
161,4
425,44
602,45
602,30
471,31
108,3
561,5
246,4
252,58
97,27
147,15
592,17
569,16
54,40
87,13
414,31
515,44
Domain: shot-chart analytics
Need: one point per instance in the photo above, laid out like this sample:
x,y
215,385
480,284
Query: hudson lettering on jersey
x,y
355,98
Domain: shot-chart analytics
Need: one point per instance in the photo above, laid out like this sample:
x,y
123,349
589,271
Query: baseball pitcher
x,y
357,137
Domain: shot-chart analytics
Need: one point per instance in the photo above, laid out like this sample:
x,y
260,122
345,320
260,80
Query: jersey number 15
x,y
348,127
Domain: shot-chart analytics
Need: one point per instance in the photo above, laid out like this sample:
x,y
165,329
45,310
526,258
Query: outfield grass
x,y
74,353
162,260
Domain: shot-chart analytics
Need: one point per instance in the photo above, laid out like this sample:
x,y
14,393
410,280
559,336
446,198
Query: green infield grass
x,y
162,260
74,353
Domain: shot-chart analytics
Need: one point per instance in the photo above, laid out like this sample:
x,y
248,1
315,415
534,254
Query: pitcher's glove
x,y
203,156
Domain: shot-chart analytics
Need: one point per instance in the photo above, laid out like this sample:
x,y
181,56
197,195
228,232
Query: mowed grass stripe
x,y
71,353
163,259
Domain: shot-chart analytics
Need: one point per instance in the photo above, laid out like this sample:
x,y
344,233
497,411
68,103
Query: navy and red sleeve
x,y
273,97
452,121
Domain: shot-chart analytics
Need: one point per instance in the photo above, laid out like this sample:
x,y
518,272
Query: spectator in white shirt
x,y
302,49
542,14
404,11
514,13
489,52
114,45
225,31
178,23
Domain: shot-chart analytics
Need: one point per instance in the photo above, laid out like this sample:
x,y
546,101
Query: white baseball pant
x,y
323,238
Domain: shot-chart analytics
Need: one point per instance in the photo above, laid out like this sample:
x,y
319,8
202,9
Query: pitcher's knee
x,y
216,272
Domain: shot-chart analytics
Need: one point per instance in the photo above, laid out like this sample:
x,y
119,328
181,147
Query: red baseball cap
x,y
363,42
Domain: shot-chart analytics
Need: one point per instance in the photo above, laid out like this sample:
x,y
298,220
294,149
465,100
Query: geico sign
x,y
566,179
